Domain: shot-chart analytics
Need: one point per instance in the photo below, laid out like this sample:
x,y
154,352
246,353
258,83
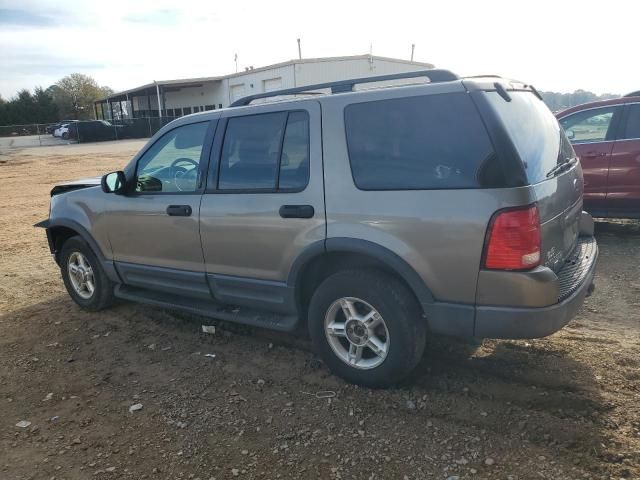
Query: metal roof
x,y
186,82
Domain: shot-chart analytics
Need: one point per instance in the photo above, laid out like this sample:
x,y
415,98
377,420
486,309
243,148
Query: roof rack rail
x,y
435,75
633,94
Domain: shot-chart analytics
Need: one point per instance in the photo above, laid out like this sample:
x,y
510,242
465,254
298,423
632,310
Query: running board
x,y
208,308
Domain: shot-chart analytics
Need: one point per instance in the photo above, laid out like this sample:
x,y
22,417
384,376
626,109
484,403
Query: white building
x,y
185,96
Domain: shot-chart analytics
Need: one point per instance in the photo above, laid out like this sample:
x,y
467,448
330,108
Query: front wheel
x,y
84,277
367,327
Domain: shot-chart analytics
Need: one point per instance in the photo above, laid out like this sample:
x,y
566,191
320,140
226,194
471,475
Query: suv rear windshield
x,y
424,142
535,132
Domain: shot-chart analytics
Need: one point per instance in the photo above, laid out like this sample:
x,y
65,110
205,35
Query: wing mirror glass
x,y
114,182
570,134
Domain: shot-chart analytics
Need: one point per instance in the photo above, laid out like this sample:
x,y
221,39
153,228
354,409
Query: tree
x,y
45,106
560,101
74,95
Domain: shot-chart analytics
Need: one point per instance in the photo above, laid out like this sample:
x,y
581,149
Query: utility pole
x,y
413,48
299,50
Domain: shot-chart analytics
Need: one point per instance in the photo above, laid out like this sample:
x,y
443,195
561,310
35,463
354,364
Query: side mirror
x,y
570,134
114,182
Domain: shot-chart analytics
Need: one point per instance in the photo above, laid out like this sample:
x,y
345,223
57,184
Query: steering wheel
x,y
181,173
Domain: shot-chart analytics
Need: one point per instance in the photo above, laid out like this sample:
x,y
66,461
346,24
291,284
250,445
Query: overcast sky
x,y
559,45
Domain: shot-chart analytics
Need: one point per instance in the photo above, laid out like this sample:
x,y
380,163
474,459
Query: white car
x,y
62,131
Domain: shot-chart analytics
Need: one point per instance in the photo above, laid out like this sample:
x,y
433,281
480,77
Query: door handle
x,y
296,211
179,210
595,154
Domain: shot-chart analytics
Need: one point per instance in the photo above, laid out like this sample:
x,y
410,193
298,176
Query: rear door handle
x,y
179,210
297,211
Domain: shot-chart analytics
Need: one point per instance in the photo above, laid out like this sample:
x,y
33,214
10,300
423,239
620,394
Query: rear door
x,y
592,134
623,193
264,203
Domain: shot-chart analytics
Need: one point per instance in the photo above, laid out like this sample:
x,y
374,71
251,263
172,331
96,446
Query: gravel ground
x,y
564,407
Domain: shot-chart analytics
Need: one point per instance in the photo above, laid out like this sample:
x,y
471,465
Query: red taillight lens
x,y
513,240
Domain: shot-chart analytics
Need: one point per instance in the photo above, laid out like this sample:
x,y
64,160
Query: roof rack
x,y
435,75
633,94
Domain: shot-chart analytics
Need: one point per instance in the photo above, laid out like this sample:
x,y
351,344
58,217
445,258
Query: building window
x,y
186,110
209,107
219,105
196,109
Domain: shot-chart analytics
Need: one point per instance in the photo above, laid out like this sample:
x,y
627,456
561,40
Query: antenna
x,y
299,50
413,48
235,59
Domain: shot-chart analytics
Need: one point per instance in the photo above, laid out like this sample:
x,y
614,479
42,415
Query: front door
x,y
154,230
592,134
264,203
623,194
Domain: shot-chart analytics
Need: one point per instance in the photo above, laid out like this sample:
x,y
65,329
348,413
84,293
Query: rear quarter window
x,y
424,142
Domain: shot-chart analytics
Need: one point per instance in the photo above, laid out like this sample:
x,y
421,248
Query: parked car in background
x,y
62,131
54,126
95,131
373,218
606,137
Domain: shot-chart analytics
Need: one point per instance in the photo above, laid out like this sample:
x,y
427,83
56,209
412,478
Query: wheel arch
x,y
59,230
324,258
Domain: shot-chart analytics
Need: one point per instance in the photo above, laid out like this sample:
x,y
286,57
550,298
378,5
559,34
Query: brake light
x,y
513,240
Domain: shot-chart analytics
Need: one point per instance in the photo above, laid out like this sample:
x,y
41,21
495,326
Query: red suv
x,y
606,137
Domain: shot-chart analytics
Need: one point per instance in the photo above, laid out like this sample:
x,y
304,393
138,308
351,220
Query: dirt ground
x,y
564,407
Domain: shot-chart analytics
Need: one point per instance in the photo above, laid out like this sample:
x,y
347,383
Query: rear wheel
x,y
367,327
84,276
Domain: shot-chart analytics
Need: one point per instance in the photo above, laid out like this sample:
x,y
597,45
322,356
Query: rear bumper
x,y
574,283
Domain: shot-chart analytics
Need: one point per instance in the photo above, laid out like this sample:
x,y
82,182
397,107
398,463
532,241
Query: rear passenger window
x,y
427,142
266,152
632,127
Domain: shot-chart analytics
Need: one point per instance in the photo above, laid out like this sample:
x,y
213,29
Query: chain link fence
x,y
84,131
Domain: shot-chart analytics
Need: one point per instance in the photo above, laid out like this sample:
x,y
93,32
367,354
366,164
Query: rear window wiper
x,y
561,167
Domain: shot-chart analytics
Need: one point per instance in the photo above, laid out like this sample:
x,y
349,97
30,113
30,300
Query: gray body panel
x,y
140,231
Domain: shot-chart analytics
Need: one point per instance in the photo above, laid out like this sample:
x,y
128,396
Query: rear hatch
x,y
550,166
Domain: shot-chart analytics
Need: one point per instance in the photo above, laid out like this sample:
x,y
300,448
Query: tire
x,y
65,135
77,252
400,334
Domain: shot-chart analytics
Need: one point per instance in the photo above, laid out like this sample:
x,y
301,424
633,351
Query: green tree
x,y
559,101
74,95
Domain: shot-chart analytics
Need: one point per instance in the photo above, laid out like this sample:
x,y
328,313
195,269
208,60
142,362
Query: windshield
x,y
535,132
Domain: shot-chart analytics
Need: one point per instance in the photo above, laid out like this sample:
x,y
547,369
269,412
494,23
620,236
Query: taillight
x,y
513,240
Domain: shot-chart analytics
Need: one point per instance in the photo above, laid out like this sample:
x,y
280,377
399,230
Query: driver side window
x,y
172,164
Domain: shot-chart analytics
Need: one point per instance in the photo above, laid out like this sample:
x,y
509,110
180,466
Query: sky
x,y
559,45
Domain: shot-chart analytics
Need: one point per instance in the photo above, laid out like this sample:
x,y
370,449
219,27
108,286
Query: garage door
x,y
237,92
272,84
